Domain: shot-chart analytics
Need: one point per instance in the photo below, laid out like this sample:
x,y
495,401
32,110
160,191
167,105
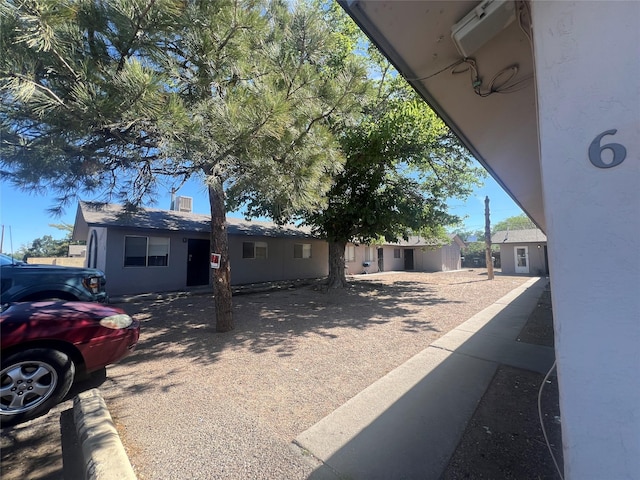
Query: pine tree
x,y
112,99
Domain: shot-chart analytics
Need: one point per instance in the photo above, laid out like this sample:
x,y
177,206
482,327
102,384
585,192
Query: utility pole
x,y
487,239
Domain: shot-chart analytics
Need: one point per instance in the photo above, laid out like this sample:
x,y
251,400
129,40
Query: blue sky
x,y
25,217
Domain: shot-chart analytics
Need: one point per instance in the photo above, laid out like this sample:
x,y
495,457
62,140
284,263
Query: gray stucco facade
x,y
522,251
154,250
174,253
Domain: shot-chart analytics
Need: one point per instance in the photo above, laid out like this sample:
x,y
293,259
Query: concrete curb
x,y
102,451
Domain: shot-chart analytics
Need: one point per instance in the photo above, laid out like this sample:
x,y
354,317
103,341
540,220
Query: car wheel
x,y
31,382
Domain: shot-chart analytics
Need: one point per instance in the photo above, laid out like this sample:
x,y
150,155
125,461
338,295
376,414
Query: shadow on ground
x,y
184,326
504,439
47,447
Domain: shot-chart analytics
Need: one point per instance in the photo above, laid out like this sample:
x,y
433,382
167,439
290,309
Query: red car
x,y
46,345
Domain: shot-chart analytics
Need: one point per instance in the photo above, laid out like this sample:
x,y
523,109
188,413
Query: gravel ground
x,y
195,404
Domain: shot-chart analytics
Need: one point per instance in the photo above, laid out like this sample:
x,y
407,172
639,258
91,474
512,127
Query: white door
x,y
522,259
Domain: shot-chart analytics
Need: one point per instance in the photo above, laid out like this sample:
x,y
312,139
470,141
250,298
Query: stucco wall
x,y
130,280
442,259
279,265
588,66
355,267
537,264
424,259
392,264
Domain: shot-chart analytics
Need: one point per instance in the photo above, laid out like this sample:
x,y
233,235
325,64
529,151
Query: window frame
x,y
303,251
347,257
148,242
257,250
370,254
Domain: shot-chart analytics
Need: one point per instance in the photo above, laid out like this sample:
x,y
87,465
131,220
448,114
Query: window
x,y
158,255
302,250
369,253
254,250
396,253
350,253
146,251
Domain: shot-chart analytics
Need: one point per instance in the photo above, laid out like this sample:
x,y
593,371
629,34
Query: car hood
x,y
50,311
57,268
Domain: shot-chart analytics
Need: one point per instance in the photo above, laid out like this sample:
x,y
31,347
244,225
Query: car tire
x,y
31,382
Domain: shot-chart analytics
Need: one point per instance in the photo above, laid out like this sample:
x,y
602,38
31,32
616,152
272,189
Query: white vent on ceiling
x,y
183,204
481,24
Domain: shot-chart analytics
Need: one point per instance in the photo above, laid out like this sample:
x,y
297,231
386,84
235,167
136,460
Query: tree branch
x,y
41,87
138,27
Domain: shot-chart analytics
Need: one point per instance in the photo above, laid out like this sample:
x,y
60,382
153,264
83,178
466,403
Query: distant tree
x,y
67,227
115,99
402,164
45,246
468,235
518,222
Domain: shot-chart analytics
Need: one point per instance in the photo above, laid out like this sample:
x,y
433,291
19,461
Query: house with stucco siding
x,y
522,251
414,254
152,250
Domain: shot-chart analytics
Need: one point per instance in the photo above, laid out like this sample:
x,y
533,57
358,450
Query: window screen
x,y
254,250
350,253
302,250
135,251
146,251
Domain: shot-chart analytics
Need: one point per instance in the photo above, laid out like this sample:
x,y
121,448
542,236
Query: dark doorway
x,y
198,262
408,259
381,260
546,261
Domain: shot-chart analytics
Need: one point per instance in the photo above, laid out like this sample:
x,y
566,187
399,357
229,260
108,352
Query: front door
x,y
408,259
198,262
381,260
522,259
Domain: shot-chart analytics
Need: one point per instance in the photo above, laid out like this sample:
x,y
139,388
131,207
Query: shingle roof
x,y
531,235
112,215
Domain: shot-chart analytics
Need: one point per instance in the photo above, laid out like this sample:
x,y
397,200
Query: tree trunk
x,y
220,244
487,239
337,278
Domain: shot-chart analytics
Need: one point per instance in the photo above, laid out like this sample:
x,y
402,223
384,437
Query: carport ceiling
x,y
499,128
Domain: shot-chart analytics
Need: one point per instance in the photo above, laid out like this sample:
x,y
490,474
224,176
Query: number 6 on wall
x,y
595,151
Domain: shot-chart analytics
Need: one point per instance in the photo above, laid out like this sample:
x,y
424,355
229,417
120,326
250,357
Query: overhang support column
x,y
587,57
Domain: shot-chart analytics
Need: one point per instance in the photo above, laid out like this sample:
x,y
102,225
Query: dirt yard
x,y
194,404
294,357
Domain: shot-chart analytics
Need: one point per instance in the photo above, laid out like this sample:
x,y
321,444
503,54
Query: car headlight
x,y
92,284
116,322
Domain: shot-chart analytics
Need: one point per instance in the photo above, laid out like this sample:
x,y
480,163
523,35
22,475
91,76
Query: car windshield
x,y
7,260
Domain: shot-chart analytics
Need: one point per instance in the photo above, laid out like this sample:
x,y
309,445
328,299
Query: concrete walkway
x,y
408,424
